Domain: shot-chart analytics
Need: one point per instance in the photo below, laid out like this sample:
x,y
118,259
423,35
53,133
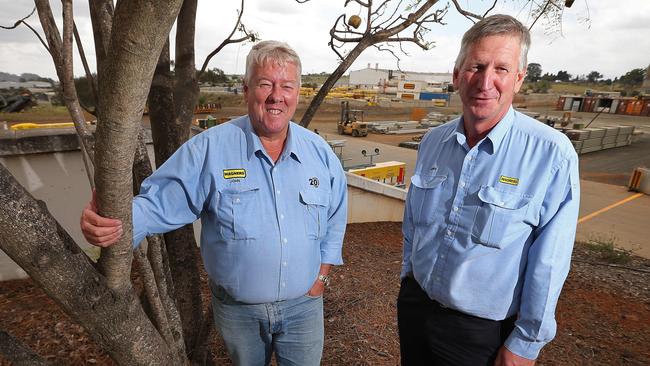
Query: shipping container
x,y
645,111
431,96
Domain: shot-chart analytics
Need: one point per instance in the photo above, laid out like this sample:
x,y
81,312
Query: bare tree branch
x,y
542,12
89,75
17,23
490,9
59,50
22,21
238,26
469,15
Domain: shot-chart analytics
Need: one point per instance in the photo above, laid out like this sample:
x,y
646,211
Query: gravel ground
x,y
603,313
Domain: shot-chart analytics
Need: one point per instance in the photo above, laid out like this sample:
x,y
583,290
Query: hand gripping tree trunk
x,y
138,34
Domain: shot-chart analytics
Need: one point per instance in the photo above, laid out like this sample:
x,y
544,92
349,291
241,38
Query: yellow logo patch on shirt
x,y
509,180
234,173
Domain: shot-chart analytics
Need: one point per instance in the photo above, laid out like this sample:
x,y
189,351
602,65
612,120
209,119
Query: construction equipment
x,y
351,122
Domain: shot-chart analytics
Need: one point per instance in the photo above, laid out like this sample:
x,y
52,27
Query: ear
x,y
245,89
455,79
519,79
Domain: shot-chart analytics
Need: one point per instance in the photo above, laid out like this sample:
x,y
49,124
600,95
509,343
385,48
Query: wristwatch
x,y
325,279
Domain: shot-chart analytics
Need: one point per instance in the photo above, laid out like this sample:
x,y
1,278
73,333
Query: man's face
x,y
489,78
272,97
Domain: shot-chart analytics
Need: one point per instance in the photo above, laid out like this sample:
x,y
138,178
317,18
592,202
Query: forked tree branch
x,y
248,35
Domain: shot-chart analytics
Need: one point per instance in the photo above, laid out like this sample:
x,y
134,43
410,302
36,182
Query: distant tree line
x,y
540,83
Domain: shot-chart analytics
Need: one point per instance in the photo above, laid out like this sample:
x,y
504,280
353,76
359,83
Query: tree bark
x,y
101,16
17,353
115,319
137,37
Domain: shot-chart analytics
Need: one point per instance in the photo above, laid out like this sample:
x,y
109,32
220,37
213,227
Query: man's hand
x,y
99,231
317,289
507,358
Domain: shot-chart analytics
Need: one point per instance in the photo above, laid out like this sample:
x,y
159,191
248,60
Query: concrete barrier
x,y
372,201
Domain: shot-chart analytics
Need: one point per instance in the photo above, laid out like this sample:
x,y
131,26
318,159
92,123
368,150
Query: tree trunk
x,y
115,319
331,80
171,109
137,37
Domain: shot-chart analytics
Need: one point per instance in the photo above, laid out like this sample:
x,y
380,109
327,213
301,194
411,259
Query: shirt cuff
x,y
139,224
331,256
406,269
523,347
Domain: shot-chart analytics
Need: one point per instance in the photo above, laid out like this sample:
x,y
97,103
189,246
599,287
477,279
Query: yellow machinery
x,y
351,122
27,126
389,172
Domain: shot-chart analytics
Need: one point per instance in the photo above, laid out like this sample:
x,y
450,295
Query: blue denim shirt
x,y
489,230
265,227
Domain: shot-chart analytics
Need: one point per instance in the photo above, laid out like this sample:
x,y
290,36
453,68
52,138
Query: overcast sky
x,y
615,40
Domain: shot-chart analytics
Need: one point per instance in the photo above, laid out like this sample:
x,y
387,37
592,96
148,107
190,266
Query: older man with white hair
x,y
272,199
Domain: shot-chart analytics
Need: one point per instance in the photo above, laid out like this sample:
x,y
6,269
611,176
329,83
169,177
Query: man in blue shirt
x,y
490,218
272,199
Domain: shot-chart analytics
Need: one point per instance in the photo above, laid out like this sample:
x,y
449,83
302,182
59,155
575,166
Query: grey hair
x,y
499,24
276,52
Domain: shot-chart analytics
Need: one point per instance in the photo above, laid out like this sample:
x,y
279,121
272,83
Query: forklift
x,y
351,122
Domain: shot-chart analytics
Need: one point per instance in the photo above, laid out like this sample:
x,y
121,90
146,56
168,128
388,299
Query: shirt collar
x,y
254,144
496,135
458,132
501,129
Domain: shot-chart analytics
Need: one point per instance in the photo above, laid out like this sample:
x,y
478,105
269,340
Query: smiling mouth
x,y
274,111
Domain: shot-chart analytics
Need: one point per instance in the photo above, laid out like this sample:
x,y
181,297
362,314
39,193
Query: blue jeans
x,y
293,329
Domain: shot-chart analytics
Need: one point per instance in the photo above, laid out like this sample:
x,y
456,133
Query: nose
x,y
486,79
276,95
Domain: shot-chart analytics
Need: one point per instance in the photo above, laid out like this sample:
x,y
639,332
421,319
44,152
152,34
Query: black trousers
x,y
431,334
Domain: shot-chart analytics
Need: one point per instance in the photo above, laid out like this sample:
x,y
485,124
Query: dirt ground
x,y
603,313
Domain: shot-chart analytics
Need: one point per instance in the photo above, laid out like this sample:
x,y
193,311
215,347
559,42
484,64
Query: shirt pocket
x,y
426,196
237,212
315,212
500,218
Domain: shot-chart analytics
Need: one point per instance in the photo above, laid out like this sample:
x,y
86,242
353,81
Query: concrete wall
x,y
372,201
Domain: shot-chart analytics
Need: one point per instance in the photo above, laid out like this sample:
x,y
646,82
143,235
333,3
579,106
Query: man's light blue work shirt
x,y
489,230
265,227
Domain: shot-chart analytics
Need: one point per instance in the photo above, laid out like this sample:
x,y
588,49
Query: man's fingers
x,y
102,238
94,219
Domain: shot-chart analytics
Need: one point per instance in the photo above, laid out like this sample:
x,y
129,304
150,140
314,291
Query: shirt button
x,y
284,264
277,192
236,200
455,208
442,256
449,232
284,240
462,184
282,216
283,284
